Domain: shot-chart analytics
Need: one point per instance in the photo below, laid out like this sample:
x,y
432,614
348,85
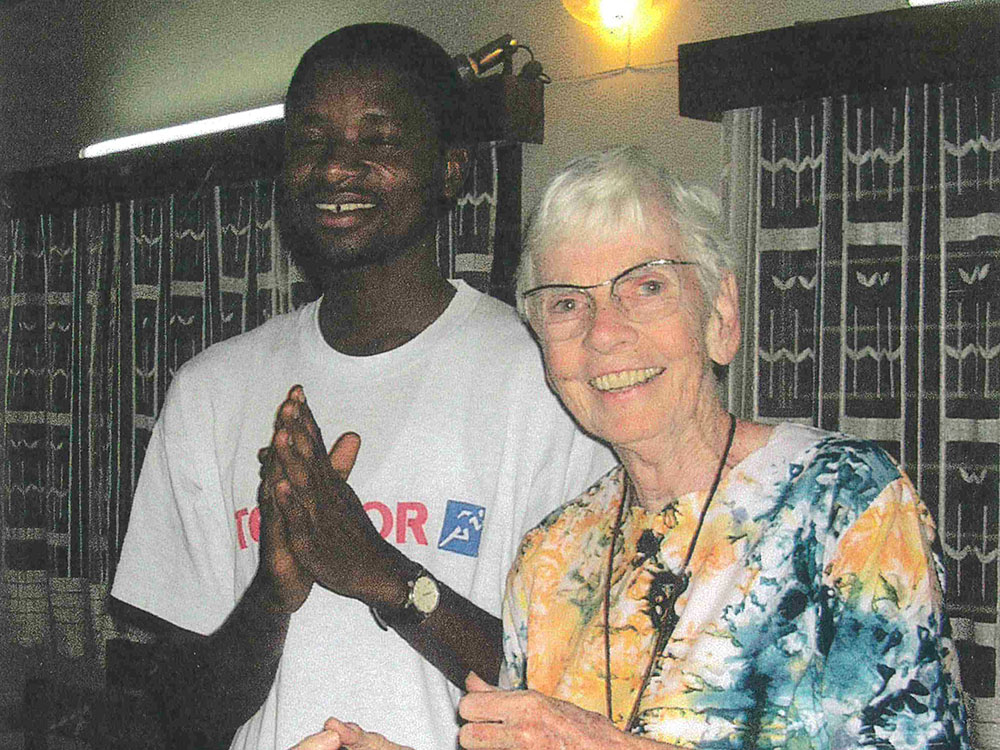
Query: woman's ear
x,y
456,166
722,339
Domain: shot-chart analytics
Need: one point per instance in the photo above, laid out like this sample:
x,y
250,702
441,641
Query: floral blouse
x,y
813,618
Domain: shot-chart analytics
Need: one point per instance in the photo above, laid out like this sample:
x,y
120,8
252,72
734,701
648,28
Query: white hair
x,y
599,196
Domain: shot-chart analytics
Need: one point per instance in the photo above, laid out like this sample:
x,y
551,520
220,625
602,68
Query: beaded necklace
x,y
675,588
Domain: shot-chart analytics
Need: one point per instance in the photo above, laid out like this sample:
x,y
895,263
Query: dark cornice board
x,y
912,46
220,158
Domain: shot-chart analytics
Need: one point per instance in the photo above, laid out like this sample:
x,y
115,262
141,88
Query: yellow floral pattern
x,y
813,617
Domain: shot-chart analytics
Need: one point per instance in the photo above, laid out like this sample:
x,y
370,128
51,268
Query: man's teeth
x,y
339,208
616,381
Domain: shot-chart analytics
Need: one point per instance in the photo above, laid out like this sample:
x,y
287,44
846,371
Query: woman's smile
x,y
623,380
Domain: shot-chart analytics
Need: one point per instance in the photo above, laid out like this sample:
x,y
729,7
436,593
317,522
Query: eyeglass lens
x,y
641,294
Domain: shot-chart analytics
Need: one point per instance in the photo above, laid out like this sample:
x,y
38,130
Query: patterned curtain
x,y
871,225
99,306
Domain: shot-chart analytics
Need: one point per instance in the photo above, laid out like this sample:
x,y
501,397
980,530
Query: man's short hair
x,y
423,61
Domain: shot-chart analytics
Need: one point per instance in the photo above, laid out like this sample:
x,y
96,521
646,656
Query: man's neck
x,y
374,309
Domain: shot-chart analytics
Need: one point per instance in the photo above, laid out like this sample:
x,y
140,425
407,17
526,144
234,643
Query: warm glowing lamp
x,y
617,14
636,16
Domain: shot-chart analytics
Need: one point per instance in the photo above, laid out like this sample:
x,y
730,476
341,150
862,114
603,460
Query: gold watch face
x,y
425,595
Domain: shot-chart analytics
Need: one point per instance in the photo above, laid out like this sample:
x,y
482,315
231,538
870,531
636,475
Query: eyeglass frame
x,y
607,282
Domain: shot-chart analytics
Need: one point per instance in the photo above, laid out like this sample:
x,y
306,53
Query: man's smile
x,y
340,208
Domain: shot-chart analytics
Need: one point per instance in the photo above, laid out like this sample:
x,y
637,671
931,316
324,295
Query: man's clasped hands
x,y
315,530
313,526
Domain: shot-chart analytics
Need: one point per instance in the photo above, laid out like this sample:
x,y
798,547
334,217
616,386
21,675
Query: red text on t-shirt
x,y
408,521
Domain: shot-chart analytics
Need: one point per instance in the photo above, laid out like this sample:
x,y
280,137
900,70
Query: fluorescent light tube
x,y
188,130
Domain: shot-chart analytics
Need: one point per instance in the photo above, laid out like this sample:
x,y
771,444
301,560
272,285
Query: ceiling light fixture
x,y
616,14
187,130
620,18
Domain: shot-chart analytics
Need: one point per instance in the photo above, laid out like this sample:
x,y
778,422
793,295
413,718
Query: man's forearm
x,y
212,685
457,638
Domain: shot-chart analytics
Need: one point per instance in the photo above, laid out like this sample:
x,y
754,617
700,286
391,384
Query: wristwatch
x,y
424,595
422,598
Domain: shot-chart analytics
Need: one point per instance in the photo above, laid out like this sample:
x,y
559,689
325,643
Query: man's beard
x,y
317,262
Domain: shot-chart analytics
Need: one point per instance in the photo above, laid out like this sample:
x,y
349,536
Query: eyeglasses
x,y
644,292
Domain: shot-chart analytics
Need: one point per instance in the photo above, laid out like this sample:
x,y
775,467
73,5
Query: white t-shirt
x,y
463,449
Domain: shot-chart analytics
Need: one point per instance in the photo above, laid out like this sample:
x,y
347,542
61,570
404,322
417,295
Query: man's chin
x,y
318,261
319,254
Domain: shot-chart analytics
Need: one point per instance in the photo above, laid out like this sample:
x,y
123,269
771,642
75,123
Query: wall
x,y
76,71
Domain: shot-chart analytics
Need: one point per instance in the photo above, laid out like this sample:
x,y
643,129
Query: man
x,y
283,614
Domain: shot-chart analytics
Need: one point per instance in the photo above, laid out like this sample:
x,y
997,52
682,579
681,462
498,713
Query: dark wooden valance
x,y
933,44
220,158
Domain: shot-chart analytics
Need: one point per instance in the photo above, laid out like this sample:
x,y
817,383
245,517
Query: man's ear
x,y
456,159
722,338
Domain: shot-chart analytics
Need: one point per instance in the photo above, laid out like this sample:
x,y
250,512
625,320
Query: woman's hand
x,y
528,720
337,734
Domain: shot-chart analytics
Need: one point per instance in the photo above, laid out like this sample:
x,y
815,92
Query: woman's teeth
x,y
616,381
340,208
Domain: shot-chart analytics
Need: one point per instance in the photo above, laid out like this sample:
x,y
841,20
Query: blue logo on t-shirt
x,y
462,528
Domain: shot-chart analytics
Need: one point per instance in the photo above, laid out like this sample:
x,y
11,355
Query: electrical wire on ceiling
x,y
628,67
656,67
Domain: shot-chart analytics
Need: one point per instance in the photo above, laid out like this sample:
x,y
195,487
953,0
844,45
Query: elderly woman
x,y
730,584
